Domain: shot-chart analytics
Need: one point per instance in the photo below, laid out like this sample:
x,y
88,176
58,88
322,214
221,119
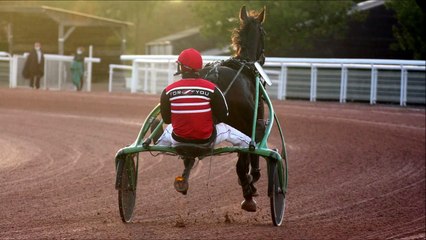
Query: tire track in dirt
x,y
355,172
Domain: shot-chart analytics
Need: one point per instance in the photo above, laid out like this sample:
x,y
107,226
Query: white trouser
x,y
224,132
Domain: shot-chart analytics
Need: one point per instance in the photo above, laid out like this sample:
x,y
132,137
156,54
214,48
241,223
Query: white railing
x,y
4,56
113,67
150,68
344,65
16,65
278,69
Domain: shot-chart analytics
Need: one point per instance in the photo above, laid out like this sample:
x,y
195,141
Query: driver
x,y
196,109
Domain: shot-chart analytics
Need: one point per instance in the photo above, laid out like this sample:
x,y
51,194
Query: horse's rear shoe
x,y
181,185
249,205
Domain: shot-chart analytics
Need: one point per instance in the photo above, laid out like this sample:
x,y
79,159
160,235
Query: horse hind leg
x,y
188,163
243,165
243,169
254,159
255,169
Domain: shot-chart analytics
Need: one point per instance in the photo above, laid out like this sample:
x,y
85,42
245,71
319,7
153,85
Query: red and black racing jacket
x,y
192,106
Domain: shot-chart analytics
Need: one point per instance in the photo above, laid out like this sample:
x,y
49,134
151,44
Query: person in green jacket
x,y
77,69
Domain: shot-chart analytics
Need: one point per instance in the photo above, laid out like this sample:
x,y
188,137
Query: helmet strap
x,y
178,71
185,71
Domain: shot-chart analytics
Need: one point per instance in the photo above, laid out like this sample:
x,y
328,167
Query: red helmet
x,y
190,59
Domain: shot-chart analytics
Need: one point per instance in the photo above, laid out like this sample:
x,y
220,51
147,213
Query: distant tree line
x,y
410,31
289,24
297,24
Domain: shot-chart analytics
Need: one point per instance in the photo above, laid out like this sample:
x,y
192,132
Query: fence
x,y
57,74
121,77
5,67
364,80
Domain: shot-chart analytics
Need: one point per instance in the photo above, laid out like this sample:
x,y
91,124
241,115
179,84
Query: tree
x,y
410,31
289,24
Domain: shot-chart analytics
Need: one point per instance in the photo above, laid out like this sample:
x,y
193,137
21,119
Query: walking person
x,y
34,66
77,69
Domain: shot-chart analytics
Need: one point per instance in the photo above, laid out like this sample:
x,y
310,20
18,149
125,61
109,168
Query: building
x,y
61,32
175,43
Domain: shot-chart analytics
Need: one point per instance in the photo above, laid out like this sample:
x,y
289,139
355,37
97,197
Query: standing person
x,y
34,66
77,69
196,109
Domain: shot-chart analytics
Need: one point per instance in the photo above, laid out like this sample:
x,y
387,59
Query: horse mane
x,y
239,35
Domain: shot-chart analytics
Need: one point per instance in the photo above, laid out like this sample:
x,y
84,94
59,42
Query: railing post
x,y
13,61
145,81
153,79
46,63
169,72
373,88
135,76
61,75
282,83
89,70
111,70
313,95
343,84
15,68
403,94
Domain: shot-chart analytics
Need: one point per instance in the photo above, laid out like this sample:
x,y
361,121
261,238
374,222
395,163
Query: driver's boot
x,y
181,182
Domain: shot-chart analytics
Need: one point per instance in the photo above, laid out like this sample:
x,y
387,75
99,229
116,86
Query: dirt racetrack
x,y
355,172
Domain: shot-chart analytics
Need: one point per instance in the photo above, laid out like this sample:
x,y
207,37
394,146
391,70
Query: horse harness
x,y
241,66
260,56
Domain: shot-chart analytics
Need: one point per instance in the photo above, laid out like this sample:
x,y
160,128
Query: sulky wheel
x,y
277,170
127,191
277,197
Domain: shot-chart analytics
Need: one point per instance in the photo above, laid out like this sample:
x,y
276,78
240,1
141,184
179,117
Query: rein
x,y
233,80
214,68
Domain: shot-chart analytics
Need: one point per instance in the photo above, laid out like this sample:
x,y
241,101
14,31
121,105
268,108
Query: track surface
x,y
355,172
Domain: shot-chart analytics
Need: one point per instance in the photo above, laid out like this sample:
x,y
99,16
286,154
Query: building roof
x,y
176,36
66,17
366,5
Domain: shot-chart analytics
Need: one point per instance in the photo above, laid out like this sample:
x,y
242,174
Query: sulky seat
x,y
192,150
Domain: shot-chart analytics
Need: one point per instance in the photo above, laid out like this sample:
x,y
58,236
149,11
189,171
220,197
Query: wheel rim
x,y
277,201
127,196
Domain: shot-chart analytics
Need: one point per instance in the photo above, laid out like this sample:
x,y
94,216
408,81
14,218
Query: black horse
x,y
236,78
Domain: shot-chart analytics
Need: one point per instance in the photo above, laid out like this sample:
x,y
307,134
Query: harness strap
x,y
214,68
235,78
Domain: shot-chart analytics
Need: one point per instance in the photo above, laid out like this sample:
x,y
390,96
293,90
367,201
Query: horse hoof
x,y
249,205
